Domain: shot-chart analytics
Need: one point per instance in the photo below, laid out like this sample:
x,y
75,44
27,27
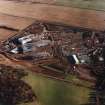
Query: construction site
x,y
51,50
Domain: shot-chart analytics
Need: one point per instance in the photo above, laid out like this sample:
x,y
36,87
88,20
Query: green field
x,y
54,92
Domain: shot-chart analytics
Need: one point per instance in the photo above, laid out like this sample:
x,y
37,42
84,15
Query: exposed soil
x,y
35,65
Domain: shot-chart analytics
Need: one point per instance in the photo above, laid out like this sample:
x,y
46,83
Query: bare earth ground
x,y
5,34
68,15
14,22
24,20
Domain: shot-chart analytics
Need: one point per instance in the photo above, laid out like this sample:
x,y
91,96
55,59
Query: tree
x,y
13,90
